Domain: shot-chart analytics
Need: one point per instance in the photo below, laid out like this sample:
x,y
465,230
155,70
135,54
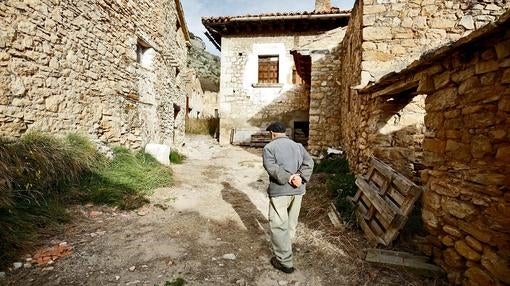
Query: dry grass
x,y
341,251
35,171
204,126
41,174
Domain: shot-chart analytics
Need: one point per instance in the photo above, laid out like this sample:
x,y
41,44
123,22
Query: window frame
x,y
268,70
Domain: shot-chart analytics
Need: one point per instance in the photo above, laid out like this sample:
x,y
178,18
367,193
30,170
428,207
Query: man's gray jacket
x,y
282,158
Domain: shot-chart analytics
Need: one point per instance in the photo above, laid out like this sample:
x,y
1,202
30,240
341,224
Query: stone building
x,y
382,38
466,150
204,80
265,72
201,96
419,88
109,69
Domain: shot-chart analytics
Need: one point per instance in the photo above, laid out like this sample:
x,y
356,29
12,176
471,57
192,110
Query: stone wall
x,y
384,37
467,156
72,66
466,153
396,129
243,104
397,32
201,103
332,76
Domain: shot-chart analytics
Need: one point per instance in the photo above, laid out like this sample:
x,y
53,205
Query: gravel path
x,y
210,228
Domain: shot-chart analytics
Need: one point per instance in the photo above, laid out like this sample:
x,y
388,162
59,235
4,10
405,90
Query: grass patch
x,y
205,126
35,172
176,157
340,181
41,174
125,181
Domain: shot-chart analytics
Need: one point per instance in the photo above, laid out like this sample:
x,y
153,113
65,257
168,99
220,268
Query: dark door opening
x,y
301,131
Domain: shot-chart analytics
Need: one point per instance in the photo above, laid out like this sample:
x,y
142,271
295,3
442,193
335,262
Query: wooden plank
x,y
397,196
384,169
378,179
376,228
384,200
385,186
370,172
335,217
393,231
403,260
402,183
390,204
370,213
381,206
356,197
368,232
398,254
373,213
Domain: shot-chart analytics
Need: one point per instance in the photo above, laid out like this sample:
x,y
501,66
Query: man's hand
x,y
295,180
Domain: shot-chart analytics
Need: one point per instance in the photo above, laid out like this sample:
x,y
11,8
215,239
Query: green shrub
x,y
341,182
333,165
176,157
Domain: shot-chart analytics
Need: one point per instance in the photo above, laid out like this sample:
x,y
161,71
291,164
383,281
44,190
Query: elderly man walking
x,y
289,167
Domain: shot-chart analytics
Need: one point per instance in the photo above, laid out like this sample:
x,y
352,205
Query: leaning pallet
x,y
260,139
383,202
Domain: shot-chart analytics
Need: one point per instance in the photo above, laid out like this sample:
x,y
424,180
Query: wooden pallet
x,y
260,139
384,200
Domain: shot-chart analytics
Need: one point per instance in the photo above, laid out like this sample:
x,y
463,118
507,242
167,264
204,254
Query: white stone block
x,y
160,152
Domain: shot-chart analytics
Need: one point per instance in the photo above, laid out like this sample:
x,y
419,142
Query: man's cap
x,y
276,127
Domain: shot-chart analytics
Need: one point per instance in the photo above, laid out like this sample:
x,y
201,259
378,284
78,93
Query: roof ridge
x,y
333,11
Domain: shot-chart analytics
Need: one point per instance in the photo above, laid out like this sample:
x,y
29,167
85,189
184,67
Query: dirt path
x,y
208,229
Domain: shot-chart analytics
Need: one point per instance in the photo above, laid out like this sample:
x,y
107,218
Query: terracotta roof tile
x,y
223,19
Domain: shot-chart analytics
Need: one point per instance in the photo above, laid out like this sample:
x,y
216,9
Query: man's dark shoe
x,y
276,264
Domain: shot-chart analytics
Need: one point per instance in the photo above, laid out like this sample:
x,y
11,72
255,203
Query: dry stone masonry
x,y
465,151
380,40
266,66
396,32
442,119
109,69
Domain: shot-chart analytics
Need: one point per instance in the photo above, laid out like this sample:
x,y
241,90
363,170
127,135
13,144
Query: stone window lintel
x,y
267,85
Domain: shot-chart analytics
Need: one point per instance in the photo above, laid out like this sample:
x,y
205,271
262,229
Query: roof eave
x,y
182,20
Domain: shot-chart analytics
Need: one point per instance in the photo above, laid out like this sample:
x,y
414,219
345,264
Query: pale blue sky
x,y
194,10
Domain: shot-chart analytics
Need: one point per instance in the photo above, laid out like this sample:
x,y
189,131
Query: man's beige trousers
x,y
283,219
